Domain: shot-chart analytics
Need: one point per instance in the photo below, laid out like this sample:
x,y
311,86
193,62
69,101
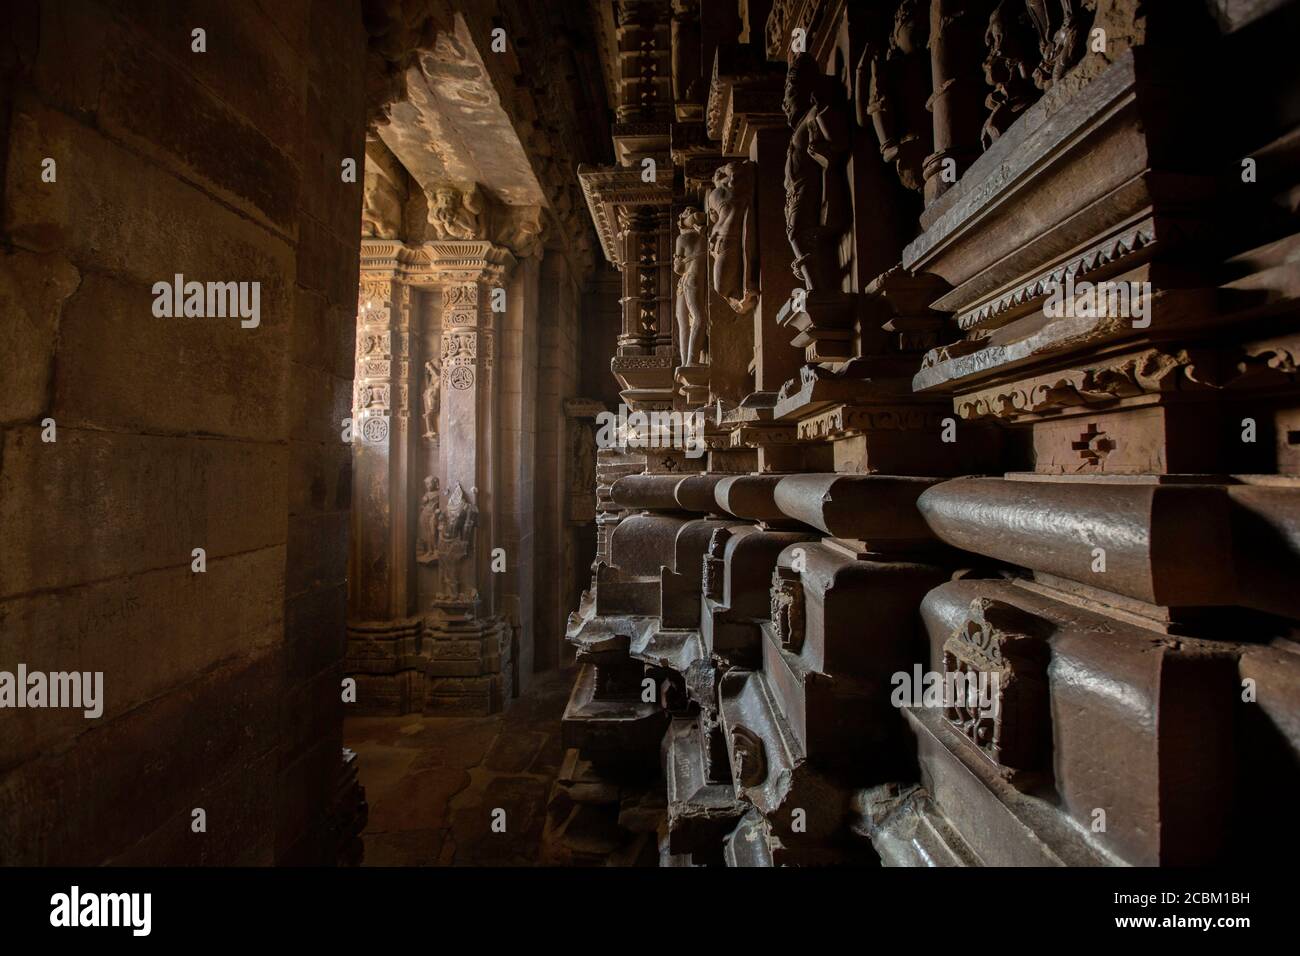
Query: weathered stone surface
x,y
33,293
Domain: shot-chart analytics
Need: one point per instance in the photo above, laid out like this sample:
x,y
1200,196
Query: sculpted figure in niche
x,y
732,238
455,531
892,87
1061,35
426,546
816,184
688,260
1008,68
453,214
432,398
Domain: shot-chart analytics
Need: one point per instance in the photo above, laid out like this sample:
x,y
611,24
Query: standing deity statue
x,y
426,546
816,182
688,259
455,530
432,398
732,235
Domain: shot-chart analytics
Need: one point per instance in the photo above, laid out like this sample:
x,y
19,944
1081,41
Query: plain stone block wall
x,y
222,688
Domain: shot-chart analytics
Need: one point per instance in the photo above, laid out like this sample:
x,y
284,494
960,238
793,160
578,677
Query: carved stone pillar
x,y
383,626
470,276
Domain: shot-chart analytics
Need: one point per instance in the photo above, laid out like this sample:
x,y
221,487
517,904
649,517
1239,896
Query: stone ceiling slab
x,y
453,129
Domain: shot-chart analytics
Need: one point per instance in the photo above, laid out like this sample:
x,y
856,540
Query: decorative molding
x,y
845,420
1110,252
611,190
1149,372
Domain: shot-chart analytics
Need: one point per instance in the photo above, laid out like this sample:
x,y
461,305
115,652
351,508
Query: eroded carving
x,y
714,565
892,90
788,608
749,757
456,525
1008,68
426,547
997,661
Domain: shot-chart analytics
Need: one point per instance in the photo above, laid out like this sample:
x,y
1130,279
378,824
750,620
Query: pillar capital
x,y
438,263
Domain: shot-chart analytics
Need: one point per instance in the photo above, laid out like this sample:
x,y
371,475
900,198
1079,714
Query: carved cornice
x,y
611,189
743,95
786,15
1122,250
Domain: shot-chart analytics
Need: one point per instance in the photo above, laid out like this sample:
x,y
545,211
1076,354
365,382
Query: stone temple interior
x,y
657,433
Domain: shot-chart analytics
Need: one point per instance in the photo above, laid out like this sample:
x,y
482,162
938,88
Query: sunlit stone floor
x,y
433,783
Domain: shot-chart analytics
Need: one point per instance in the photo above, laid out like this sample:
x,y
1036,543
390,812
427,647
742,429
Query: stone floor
x,y
433,783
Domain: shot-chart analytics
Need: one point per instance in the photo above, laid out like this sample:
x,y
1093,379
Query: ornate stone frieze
x,y
846,420
1149,372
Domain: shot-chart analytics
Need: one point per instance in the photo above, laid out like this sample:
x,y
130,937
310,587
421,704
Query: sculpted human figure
x,y
455,528
426,548
1061,37
688,259
453,214
816,187
891,89
432,398
732,239
1008,68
